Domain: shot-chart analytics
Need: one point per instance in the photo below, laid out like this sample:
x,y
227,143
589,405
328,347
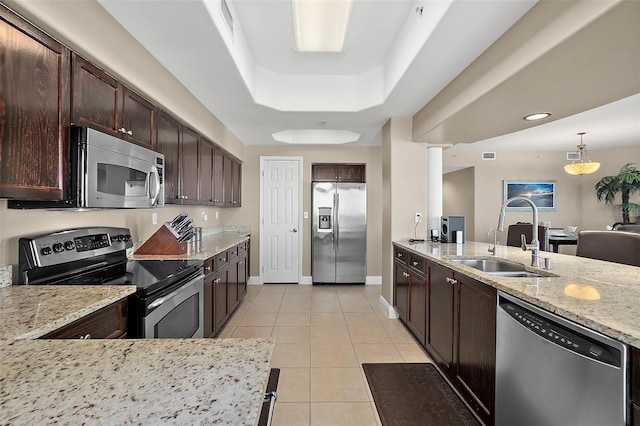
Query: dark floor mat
x,y
415,394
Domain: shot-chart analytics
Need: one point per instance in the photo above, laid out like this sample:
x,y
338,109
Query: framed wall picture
x,y
541,192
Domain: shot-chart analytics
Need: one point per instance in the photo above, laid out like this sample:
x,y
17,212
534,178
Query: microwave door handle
x,y
154,197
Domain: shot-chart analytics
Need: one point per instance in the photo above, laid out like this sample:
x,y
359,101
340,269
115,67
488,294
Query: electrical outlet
x,y
217,216
154,218
205,217
418,217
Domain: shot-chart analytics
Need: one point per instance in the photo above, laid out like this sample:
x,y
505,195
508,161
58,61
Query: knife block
x,y
163,241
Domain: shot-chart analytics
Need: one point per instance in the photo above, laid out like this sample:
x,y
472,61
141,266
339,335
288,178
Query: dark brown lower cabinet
x,y
475,344
635,385
109,322
441,299
225,285
459,325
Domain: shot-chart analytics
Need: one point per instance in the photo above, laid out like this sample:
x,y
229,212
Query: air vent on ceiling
x,y
488,155
226,14
573,156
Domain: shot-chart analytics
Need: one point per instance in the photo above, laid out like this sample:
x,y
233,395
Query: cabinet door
x,y
138,119
209,285
96,98
401,290
441,294
324,172
417,320
206,172
243,275
220,299
168,143
218,177
351,173
236,183
475,344
232,285
189,166
34,113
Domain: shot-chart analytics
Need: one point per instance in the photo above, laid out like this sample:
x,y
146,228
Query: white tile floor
x,y
323,334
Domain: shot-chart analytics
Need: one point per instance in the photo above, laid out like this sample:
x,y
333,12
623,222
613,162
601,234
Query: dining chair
x,y
611,246
514,231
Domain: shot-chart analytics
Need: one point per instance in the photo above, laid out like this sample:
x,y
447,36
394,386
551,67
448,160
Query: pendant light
x,y
584,166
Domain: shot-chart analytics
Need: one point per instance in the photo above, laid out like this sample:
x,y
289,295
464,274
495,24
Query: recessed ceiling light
x,y
537,116
321,26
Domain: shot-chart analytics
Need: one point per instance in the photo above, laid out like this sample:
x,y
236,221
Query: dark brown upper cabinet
x,y
336,172
232,182
206,172
189,166
169,137
34,112
218,177
101,102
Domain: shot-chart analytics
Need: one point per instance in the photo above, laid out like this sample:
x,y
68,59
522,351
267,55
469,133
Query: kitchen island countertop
x,y
146,381
602,296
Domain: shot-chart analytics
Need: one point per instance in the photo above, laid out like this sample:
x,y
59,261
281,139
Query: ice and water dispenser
x,y
324,219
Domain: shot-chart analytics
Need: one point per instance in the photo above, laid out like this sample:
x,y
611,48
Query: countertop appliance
x,y
339,231
108,172
550,371
169,297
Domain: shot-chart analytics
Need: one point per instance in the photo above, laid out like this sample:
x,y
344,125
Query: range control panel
x,y
73,244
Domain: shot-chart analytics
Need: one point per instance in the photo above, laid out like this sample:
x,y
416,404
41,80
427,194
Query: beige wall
x,y
405,181
249,214
458,197
577,203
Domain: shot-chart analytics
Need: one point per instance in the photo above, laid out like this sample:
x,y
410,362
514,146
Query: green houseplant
x,y
626,182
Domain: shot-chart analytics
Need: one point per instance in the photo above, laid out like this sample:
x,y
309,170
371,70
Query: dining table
x,y
558,240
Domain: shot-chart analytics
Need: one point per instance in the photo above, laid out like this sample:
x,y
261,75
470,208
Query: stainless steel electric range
x,y
168,302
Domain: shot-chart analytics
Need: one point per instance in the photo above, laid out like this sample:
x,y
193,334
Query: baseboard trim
x,y
254,281
373,280
387,308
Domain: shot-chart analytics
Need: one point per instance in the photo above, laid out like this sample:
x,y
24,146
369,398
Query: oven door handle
x,y
161,300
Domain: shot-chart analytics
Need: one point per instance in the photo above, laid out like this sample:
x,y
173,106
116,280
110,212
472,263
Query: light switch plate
x,y
305,215
154,218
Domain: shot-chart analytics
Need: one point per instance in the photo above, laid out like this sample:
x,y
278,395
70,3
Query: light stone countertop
x,y
145,381
612,289
209,246
31,311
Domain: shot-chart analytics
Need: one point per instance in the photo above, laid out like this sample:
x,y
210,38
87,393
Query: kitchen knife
x,y
187,235
176,221
183,226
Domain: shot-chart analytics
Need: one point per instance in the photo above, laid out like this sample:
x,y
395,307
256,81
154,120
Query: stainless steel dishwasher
x,y
550,371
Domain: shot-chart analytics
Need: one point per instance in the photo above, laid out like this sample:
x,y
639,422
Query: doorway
x,y
280,230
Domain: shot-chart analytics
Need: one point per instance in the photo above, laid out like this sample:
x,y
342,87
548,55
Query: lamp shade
x,y
584,166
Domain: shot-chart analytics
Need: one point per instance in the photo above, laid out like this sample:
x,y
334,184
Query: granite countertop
x,y
152,381
209,246
602,296
29,312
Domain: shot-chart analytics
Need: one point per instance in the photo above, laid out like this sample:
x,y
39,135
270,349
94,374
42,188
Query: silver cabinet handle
x,y
405,274
293,230
415,263
122,130
451,281
129,132
86,336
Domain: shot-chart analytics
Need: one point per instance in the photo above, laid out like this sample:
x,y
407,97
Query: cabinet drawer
x,y
242,247
109,322
417,263
221,260
233,252
209,266
401,256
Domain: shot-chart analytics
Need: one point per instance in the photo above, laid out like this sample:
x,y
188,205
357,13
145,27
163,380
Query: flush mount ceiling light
x,y
321,25
584,166
537,116
316,137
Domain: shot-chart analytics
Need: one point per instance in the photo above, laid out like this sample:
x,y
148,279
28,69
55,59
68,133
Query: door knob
x,y
294,230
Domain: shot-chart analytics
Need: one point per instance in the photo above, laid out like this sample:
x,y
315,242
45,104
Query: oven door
x,y
120,174
179,314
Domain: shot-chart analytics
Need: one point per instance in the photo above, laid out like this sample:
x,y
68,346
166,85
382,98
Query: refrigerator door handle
x,y
336,222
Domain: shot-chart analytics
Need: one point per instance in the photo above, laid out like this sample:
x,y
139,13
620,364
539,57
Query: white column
x,y
434,188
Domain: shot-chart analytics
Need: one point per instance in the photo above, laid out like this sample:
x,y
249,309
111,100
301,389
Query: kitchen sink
x,y
496,267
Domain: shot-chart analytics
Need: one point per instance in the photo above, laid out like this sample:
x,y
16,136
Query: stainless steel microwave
x,y
108,172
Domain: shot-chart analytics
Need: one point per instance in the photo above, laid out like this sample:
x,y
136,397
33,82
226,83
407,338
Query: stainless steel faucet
x,y
535,243
495,240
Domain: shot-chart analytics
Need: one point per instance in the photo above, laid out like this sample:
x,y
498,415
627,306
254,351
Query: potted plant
x,y
626,182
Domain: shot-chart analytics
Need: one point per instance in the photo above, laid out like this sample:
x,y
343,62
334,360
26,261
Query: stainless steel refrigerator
x,y
339,233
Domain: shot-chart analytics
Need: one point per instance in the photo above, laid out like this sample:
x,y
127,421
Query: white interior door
x,y
281,221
